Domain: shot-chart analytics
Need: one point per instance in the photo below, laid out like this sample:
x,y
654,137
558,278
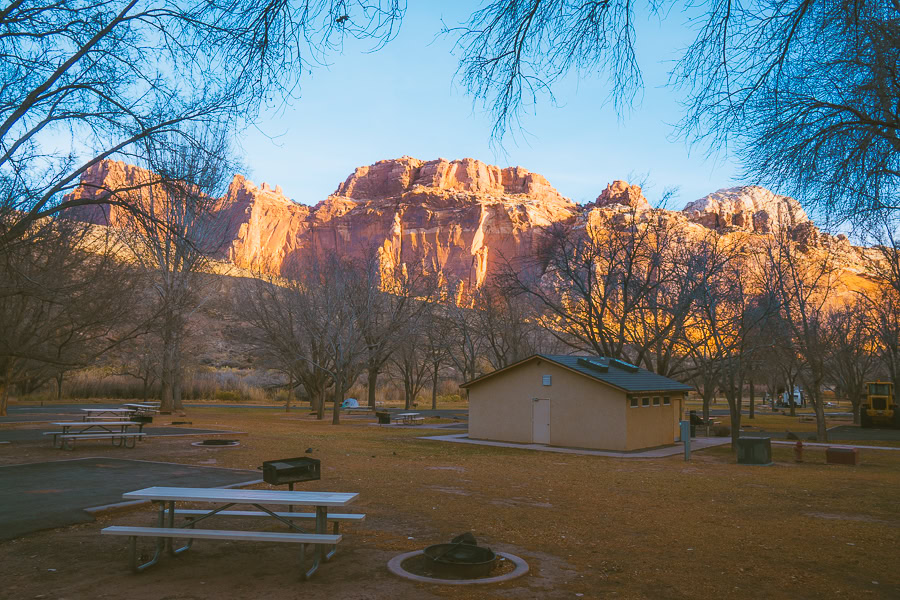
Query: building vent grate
x,y
621,364
600,365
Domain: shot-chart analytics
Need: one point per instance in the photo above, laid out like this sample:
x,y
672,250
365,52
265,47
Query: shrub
x,y
228,396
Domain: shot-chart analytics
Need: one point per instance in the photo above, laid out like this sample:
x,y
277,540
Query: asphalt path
x,y
60,412
835,434
53,494
36,435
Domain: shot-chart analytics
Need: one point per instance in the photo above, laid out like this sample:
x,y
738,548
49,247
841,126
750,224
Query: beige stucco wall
x,y
583,413
653,425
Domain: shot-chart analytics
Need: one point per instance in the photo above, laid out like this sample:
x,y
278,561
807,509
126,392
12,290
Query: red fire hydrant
x,y
798,451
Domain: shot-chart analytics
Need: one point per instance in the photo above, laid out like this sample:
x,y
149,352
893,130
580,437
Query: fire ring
x,y
395,567
218,443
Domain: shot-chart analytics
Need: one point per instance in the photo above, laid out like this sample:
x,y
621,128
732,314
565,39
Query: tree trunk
x,y
338,399
372,385
59,382
708,392
434,386
734,406
752,401
290,392
166,404
320,409
855,401
4,395
821,429
146,388
791,398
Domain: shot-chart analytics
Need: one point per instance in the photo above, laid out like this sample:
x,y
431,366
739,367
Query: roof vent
x,y
597,364
623,365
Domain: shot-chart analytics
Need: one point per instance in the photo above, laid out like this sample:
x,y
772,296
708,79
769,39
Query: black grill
x,y
291,470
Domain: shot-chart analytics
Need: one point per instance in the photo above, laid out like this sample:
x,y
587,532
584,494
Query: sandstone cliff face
x,y
460,218
620,193
748,208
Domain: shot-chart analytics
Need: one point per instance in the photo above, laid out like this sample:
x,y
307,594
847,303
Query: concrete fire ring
x,y
395,567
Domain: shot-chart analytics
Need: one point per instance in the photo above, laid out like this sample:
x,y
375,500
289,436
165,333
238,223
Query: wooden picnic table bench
x,y
115,431
166,529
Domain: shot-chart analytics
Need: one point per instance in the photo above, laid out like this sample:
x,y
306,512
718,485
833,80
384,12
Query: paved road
x,y
36,435
60,412
836,434
55,494
719,412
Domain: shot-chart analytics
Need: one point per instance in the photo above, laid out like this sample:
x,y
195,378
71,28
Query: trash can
x,y
754,451
384,418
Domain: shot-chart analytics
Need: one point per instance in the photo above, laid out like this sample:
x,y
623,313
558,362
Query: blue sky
x,y
402,100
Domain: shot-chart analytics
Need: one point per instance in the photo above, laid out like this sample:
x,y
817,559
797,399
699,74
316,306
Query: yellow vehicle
x,y
879,408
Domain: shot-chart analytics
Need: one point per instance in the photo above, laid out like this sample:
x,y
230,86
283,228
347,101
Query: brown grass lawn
x,y
590,527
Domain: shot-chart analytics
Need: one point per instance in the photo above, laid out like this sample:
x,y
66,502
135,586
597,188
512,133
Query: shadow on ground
x,y
55,494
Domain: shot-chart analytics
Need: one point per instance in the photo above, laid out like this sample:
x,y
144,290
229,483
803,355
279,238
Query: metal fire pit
x,y
461,560
216,443
291,470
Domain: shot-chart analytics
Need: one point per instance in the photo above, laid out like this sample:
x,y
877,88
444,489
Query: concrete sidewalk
x,y
677,449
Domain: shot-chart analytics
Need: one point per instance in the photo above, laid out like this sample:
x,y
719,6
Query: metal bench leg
x,y
160,545
318,552
337,530
176,551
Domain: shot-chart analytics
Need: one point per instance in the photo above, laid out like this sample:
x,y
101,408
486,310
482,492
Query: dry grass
x,y
593,526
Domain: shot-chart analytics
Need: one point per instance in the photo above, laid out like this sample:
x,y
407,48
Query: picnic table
x,y
116,431
152,408
99,412
410,418
222,499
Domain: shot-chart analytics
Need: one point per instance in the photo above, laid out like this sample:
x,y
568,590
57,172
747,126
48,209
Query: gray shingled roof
x,y
633,379
620,374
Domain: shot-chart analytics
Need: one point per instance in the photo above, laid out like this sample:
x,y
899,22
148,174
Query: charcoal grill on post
x,y
290,471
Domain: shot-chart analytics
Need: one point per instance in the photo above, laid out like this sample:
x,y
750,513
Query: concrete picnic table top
x,y
407,414
108,410
180,494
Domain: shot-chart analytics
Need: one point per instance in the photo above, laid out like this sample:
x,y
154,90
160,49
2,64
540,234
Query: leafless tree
x,y
806,93
507,325
411,363
851,356
85,80
622,286
513,51
306,320
389,304
175,234
285,333
437,346
465,342
803,285
64,300
729,312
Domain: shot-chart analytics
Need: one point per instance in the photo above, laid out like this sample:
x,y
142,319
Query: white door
x,y
540,414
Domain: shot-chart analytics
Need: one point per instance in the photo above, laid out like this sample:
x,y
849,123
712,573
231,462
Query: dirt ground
x,y
590,527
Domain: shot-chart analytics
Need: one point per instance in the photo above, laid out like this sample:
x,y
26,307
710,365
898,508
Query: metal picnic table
x,y
408,418
88,428
166,529
97,412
